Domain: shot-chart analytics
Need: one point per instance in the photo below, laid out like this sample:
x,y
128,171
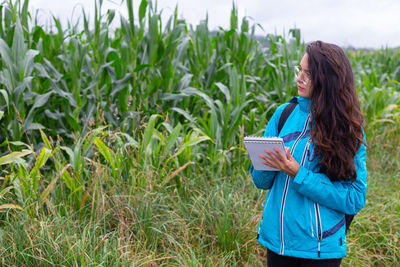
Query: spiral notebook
x,y
255,146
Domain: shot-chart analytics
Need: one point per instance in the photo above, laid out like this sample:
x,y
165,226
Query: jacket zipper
x,y
288,180
319,227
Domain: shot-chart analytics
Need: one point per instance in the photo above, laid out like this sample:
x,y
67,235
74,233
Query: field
x,y
123,147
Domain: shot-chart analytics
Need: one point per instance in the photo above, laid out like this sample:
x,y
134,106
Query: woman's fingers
x,y
271,159
281,156
264,157
278,160
271,154
288,154
268,160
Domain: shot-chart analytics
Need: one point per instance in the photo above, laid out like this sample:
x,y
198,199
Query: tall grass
x,y
211,223
124,146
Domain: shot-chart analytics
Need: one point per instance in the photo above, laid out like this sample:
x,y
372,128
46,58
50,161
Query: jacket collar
x,y
304,104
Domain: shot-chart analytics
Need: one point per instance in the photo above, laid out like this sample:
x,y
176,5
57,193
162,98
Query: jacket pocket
x,y
334,229
327,222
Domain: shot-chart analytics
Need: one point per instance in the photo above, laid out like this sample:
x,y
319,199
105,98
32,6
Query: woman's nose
x,y
298,78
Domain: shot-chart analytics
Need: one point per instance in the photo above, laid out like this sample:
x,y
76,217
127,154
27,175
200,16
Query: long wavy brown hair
x,y
337,121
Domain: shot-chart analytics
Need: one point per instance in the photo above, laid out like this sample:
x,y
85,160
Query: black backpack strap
x,y
286,112
349,218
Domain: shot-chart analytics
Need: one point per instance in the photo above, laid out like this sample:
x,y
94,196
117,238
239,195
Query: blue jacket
x,y
304,217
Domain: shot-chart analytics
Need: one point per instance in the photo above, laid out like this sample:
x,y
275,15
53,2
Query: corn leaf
x,y
13,156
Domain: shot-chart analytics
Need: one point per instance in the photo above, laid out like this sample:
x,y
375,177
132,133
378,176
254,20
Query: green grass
x,y
374,238
212,222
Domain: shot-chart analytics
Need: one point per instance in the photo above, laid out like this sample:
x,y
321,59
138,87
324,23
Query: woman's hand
x,y
278,161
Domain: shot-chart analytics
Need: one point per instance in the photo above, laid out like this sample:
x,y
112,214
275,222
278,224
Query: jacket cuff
x,y
301,174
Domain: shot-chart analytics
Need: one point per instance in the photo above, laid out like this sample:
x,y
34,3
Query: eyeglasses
x,y
306,76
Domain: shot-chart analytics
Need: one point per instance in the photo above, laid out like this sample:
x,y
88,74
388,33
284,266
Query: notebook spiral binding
x,y
263,140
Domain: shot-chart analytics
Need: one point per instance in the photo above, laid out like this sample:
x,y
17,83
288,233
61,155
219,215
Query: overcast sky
x,y
359,23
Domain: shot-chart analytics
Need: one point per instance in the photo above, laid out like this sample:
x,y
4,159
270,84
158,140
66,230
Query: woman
x,y
323,175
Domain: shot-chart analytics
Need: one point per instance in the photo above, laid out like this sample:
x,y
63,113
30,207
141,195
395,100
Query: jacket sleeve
x,y
265,179
343,196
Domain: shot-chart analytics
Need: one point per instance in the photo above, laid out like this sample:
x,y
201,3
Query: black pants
x,y
275,260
